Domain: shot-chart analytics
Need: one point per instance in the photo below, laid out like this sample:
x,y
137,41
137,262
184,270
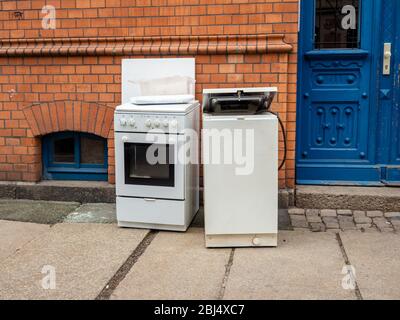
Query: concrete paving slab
x,y
375,257
43,212
176,266
93,213
84,257
304,266
14,235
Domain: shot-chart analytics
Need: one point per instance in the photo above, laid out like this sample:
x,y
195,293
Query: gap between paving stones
x,y
121,273
348,263
226,275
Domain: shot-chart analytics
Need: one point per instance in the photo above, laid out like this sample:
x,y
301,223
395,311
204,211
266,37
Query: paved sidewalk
x,y
15,235
305,266
87,257
331,219
176,266
83,257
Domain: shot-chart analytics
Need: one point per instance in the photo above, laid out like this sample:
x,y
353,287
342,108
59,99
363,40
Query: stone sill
x,y
385,199
85,192
312,197
66,191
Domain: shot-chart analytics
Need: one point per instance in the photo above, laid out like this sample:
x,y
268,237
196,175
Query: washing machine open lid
x,y
238,101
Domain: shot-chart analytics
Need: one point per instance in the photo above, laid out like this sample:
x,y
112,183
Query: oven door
x,y
147,166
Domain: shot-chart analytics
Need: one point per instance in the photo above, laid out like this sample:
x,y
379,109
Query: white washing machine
x,y
240,192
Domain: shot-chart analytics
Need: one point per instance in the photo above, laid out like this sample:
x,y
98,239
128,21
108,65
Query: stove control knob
x,y
148,123
122,121
132,122
165,123
157,123
173,124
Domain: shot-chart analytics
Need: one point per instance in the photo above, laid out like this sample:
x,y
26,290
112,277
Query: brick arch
x,y
90,117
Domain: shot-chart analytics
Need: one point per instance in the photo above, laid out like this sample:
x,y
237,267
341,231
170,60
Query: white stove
x,y
155,188
160,193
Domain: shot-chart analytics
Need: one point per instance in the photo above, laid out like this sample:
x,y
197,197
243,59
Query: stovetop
x,y
182,108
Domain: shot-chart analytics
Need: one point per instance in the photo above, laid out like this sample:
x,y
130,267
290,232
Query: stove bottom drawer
x,y
150,211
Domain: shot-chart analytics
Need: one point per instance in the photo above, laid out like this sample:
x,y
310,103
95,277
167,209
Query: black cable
x,y
284,138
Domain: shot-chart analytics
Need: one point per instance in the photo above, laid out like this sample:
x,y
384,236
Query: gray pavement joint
x,y
121,273
226,275
357,290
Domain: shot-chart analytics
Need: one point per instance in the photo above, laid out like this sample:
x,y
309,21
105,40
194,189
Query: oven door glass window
x,y
149,164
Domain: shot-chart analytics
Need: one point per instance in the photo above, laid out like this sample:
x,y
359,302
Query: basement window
x,y
74,156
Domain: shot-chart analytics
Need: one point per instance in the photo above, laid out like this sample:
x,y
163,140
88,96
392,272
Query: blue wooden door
x,y
341,91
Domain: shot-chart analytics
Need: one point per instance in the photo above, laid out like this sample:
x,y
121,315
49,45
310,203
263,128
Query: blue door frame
x,y
389,91
348,111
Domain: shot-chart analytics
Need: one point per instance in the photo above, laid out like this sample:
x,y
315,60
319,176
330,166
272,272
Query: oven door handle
x,y
150,199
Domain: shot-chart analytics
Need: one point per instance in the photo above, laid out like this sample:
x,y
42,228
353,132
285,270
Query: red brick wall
x,y
36,75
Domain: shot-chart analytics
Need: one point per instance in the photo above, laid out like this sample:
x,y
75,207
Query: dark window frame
x,y
72,171
319,45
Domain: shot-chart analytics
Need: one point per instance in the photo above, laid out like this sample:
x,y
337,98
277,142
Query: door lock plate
x,y
387,58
